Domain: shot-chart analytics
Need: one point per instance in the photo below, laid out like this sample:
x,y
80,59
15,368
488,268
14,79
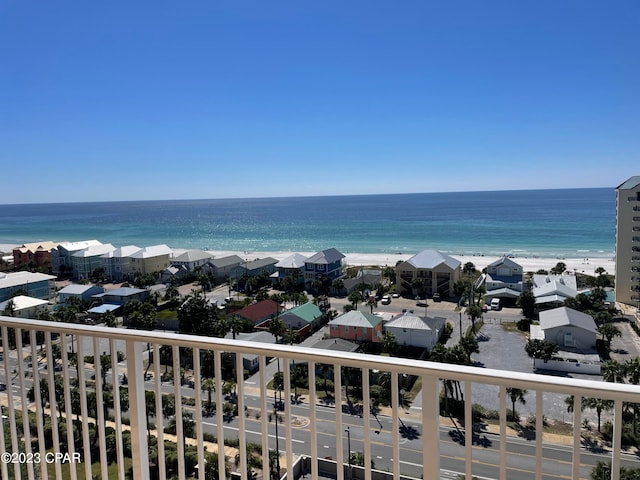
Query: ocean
x,y
564,223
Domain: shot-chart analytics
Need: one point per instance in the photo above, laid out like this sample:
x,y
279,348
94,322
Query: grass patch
x,y
168,314
511,327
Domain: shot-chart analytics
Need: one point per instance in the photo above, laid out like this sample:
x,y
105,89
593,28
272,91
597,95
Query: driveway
x,y
503,350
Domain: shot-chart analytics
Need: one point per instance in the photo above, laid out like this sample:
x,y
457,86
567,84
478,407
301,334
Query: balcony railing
x,y
320,435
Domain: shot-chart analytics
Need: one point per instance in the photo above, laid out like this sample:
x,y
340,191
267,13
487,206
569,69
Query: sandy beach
x,y
529,264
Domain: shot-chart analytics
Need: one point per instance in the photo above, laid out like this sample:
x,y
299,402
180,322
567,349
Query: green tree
x,y
608,332
527,302
542,349
516,395
197,316
355,297
474,312
469,343
209,385
110,319
559,269
390,343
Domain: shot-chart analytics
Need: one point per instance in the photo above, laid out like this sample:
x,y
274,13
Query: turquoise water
x,y
547,223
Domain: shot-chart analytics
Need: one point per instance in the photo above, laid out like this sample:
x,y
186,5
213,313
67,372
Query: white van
x,y
495,304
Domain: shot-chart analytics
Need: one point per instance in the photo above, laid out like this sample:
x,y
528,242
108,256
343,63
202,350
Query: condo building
x,y
627,288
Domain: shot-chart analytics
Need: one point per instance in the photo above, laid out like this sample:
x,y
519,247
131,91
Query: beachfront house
x,y
552,290
251,269
413,330
357,326
150,260
61,255
33,255
222,267
503,280
324,265
37,285
192,260
117,264
428,272
86,262
567,328
291,267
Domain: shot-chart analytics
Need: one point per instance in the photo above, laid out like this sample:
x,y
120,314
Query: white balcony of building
x,y
188,411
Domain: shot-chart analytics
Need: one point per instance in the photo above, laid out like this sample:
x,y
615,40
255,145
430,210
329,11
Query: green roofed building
x,y
303,318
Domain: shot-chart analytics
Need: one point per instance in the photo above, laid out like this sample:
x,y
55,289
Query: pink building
x,y
357,327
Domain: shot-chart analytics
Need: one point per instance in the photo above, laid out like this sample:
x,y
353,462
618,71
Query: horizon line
x,y
299,196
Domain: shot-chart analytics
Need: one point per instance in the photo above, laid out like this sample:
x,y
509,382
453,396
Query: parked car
x,y
395,295
386,300
436,297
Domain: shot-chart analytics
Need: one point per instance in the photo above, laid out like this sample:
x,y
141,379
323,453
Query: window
x,y
346,329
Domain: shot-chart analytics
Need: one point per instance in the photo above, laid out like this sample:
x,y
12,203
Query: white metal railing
x,y
19,377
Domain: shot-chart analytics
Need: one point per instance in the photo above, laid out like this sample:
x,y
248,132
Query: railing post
x,y
137,410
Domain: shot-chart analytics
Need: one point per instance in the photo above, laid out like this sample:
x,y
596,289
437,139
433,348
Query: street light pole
x,y
275,409
348,430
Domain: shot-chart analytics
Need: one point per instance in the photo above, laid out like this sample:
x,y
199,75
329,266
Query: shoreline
x,y
585,265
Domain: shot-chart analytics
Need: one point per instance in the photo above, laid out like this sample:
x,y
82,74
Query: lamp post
x,y
275,409
348,430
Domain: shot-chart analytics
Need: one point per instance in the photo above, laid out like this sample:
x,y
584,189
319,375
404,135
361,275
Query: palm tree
x,y
470,345
390,343
608,332
632,371
597,404
474,312
354,298
209,385
516,395
613,371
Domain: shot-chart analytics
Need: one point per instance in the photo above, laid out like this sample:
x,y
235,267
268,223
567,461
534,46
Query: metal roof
x,y
564,316
355,318
327,256
430,259
630,184
292,261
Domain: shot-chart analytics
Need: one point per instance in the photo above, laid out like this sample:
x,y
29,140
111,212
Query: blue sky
x,y
164,100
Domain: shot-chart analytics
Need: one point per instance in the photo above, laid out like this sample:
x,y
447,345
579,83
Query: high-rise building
x,y
628,242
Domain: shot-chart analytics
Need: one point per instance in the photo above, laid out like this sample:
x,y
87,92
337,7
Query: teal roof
x,y
308,312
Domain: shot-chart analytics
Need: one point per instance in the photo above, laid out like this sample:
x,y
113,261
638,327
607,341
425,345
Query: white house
x,y
503,280
415,331
568,328
553,289
25,307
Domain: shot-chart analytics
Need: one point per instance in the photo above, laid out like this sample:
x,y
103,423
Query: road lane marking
x,y
255,433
